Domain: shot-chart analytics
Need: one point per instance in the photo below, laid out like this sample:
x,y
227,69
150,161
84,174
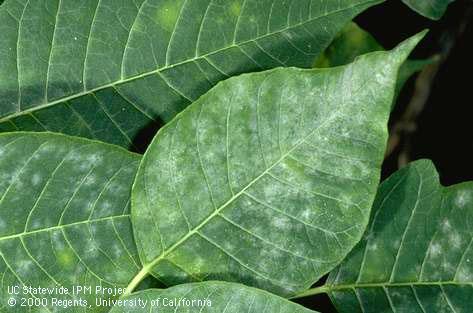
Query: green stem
x,y
137,280
312,292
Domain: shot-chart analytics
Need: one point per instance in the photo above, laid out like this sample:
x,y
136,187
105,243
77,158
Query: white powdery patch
x,y
270,192
93,252
198,263
373,247
74,157
455,240
57,240
396,294
117,250
95,159
90,180
36,224
463,198
119,189
446,226
94,228
306,214
19,182
281,223
84,166
25,267
448,266
106,209
36,179
5,180
435,250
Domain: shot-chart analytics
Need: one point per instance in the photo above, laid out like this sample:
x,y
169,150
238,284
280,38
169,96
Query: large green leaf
x,y
114,69
269,178
209,297
64,216
417,255
433,9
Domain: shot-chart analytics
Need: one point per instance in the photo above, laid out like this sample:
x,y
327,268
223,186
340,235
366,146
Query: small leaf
x,y
114,70
269,178
64,216
209,297
417,255
433,9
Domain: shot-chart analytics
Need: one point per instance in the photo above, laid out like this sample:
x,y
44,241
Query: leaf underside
x,y
433,9
223,297
268,179
114,70
64,215
417,255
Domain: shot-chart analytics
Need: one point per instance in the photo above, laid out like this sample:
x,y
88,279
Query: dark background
x,y
433,117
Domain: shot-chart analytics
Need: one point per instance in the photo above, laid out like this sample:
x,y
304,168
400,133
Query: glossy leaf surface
x,y
269,178
417,255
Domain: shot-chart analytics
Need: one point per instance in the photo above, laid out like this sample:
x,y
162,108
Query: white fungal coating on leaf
x,y
418,251
464,198
269,177
48,234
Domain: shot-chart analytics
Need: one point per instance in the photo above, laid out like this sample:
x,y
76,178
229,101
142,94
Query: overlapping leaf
x,y
433,9
64,217
417,255
269,178
115,69
209,297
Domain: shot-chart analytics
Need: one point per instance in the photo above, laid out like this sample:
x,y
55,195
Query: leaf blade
x,y
354,41
138,63
223,297
232,158
72,226
417,271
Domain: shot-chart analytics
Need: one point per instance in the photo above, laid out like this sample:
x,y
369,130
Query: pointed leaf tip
x,y
404,49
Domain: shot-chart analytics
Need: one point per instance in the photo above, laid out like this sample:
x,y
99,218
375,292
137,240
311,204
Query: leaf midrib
x,y
327,289
166,67
59,227
404,284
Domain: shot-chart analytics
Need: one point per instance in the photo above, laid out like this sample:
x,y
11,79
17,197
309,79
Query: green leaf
x,y
353,41
209,297
269,178
433,9
115,69
64,216
417,255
